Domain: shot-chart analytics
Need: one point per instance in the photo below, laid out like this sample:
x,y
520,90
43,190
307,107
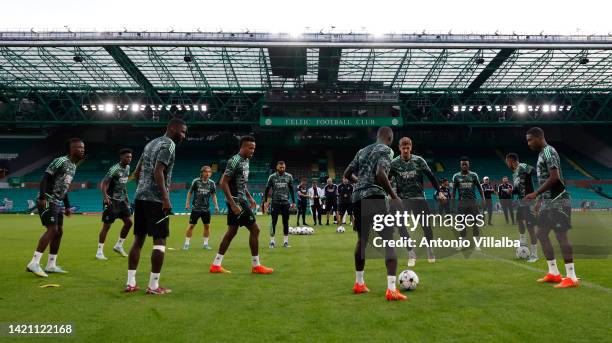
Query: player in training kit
x,y
345,205
370,169
488,190
407,172
331,201
116,203
302,193
152,205
239,204
314,195
444,199
504,192
465,184
281,184
53,192
202,189
522,177
554,209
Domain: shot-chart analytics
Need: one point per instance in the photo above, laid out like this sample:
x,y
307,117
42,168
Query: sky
x,y
432,16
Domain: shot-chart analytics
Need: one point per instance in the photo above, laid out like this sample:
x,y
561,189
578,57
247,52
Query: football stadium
x,y
217,185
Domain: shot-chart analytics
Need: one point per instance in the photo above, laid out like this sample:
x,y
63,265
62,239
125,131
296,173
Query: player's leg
x,y
427,230
274,212
359,255
43,242
506,210
285,218
511,210
125,229
547,249
256,266
206,233
530,223
562,225
193,220
327,211
233,223
101,239
313,208
157,261
133,259
304,214
521,219
489,203
54,247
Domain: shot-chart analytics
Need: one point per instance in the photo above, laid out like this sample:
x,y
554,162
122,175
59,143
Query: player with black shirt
x,y
522,176
345,192
281,185
488,190
202,189
152,207
443,201
504,192
331,200
239,203
465,185
53,192
116,203
408,172
302,193
554,209
369,169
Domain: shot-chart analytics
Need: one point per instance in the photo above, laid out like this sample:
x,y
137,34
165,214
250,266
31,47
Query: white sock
x,y
534,249
359,277
154,281
552,267
255,260
100,248
571,272
131,281
187,239
120,242
205,240
218,260
523,238
391,282
36,257
51,261
286,239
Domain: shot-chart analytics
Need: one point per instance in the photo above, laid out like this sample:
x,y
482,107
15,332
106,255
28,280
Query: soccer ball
x,y
340,229
301,230
522,252
408,280
308,230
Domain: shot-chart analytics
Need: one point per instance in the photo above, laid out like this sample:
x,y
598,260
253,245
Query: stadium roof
x,y
172,64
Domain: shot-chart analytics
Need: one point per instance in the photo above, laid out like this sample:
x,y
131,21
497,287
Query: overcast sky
x,y
378,16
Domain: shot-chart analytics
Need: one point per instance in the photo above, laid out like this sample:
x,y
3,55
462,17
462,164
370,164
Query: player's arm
x,y
433,179
104,187
268,187
455,188
188,199
47,179
479,187
66,201
138,169
552,180
214,198
250,197
291,192
160,181
383,180
349,172
224,184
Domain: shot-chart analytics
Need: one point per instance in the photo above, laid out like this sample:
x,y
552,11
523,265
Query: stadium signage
x,y
320,121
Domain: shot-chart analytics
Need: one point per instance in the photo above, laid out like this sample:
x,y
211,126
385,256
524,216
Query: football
x,y
408,280
522,252
340,229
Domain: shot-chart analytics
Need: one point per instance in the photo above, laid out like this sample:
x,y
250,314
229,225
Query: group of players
x,y
369,176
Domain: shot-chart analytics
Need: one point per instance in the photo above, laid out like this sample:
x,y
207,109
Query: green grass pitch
x,y
487,297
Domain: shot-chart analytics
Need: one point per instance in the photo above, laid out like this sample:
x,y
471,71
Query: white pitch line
x,y
533,269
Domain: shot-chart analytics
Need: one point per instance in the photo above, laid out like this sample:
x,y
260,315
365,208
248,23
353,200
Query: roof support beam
x,y
495,63
128,65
